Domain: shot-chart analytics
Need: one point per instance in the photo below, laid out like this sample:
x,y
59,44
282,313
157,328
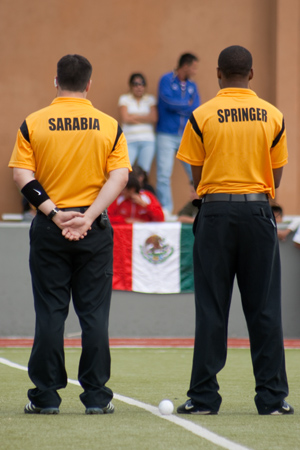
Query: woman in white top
x,y
138,116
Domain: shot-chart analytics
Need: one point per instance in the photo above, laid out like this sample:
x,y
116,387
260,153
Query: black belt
x,y
235,198
80,209
101,220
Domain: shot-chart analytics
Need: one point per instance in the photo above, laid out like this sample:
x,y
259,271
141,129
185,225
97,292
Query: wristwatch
x,y
52,213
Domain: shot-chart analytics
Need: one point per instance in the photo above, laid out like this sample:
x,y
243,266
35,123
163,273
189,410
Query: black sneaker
x,y
189,408
284,409
30,408
109,409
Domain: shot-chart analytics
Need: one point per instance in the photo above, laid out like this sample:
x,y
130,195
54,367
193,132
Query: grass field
x,y
147,375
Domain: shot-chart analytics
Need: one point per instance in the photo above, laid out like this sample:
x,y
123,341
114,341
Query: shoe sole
x,y
199,413
106,410
49,411
277,413
45,411
284,410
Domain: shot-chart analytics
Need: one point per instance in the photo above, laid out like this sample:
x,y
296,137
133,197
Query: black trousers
x,y
238,239
61,269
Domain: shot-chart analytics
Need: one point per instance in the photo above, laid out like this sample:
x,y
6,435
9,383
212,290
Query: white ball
x,y
166,407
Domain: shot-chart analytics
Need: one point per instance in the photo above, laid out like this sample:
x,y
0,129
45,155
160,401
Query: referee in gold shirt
x,y
236,145
70,161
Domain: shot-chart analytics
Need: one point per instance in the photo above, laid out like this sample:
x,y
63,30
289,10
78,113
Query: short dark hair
x,y
138,171
235,60
186,58
133,182
73,73
136,75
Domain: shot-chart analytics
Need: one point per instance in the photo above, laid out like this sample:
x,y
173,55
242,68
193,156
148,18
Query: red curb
x,y
142,342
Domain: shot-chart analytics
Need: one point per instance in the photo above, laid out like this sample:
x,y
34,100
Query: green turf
x,y
147,375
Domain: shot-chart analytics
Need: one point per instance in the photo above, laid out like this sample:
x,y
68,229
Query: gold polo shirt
x,y
71,147
238,138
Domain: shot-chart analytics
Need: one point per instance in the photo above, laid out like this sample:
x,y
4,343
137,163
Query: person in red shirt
x,y
135,205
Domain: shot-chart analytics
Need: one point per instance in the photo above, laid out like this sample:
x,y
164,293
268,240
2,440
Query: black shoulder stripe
x,y
277,139
195,126
24,131
119,132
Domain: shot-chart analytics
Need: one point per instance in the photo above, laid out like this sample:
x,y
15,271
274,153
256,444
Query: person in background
x,y
283,233
177,98
188,213
142,176
236,145
296,238
70,161
138,116
278,212
27,210
135,205
291,227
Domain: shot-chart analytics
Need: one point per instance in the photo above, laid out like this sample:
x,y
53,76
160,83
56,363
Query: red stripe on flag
x,y
122,267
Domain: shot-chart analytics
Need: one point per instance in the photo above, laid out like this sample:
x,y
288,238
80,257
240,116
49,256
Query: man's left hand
x,y
76,228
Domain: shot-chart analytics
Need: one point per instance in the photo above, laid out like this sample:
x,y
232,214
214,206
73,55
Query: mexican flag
x,y
153,257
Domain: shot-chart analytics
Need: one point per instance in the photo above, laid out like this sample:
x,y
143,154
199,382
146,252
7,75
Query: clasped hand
x,y
74,225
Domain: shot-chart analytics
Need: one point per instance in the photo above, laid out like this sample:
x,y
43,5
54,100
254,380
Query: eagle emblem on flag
x,y
155,250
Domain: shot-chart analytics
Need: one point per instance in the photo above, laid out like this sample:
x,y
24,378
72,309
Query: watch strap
x,y
52,213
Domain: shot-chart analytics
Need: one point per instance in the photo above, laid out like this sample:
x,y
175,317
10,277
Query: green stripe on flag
x,y
186,258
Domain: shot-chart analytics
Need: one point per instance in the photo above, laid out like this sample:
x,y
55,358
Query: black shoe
x,y
189,408
109,409
31,409
284,409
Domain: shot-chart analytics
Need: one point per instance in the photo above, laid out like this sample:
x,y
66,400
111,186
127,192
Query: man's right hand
x,y
63,218
76,228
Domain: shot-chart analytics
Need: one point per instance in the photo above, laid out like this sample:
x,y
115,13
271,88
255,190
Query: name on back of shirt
x,y
74,123
242,115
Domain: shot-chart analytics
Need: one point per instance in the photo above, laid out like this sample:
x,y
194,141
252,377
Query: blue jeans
x,y
141,153
166,147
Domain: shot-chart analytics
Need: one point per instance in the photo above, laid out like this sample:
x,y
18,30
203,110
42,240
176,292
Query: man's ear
x,y
251,74
88,86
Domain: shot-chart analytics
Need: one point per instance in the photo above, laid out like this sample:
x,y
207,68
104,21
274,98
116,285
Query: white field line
x,y
190,426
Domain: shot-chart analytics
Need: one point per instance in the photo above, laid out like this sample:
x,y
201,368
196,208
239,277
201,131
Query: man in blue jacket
x,y
177,98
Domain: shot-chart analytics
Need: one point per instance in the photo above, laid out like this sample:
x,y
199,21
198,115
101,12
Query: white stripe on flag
x,y
156,257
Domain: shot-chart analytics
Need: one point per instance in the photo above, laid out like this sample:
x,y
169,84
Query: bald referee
x,y
236,145
70,161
